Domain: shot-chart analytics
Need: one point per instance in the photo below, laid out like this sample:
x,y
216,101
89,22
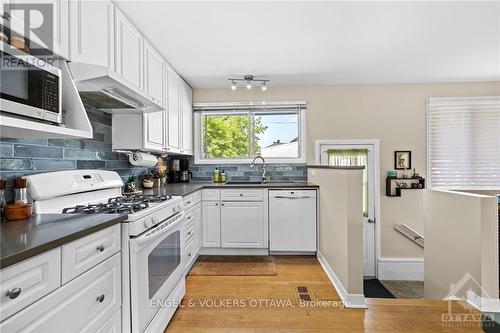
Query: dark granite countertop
x,y
20,240
183,189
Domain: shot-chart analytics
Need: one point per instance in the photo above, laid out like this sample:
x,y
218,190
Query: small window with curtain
x,y
463,142
237,132
350,158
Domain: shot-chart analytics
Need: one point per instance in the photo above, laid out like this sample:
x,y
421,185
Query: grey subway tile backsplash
x,y
22,150
16,164
90,164
54,164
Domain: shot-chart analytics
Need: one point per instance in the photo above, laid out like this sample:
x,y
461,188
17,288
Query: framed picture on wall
x,y
402,160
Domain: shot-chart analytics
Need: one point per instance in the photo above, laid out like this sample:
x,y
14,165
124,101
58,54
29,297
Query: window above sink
x,y
232,133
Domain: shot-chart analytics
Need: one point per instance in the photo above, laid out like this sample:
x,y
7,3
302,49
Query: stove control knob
x,y
146,224
175,209
155,219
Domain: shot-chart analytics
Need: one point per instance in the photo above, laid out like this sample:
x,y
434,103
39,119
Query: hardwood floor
x,y
231,304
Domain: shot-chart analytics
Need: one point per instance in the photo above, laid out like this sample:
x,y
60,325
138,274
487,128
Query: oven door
x,y
29,86
156,266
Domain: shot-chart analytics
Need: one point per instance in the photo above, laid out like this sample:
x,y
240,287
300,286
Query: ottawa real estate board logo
x,y
33,22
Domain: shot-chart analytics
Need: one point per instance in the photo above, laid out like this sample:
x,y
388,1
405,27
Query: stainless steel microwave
x,y
29,86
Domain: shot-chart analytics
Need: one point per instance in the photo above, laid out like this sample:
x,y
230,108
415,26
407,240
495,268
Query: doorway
x,y
359,153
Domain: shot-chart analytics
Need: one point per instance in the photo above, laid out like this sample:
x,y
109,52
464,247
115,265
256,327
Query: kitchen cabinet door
x,y
128,50
153,131
187,119
211,224
173,112
57,30
92,32
154,76
242,225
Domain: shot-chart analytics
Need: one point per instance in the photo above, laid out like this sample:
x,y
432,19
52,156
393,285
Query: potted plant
x,y
147,182
130,187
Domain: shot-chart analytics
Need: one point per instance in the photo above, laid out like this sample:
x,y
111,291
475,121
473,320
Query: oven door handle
x,y
148,236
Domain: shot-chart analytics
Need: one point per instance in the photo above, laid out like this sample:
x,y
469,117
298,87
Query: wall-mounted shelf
x,y
397,190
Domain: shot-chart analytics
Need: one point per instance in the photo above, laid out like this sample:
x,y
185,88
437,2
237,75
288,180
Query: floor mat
x,y
224,266
373,288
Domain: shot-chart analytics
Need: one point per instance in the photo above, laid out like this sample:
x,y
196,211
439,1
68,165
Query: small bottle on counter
x,y
216,175
223,176
20,191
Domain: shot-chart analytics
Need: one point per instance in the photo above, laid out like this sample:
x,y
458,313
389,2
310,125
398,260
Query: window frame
x,y
249,107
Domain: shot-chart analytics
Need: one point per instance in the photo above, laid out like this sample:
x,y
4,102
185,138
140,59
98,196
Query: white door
x,y
129,50
359,155
173,132
89,19
210,224
242,224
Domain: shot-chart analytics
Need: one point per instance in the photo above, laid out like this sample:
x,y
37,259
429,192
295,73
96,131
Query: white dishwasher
x,y
292,221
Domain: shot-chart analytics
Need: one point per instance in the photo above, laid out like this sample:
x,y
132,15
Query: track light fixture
x,y
249,80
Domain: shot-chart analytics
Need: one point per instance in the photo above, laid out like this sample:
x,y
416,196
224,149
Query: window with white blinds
x,y
463,142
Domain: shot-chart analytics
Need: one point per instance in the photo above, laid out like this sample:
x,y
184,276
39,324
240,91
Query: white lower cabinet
x,y
242,224
82,305
211,224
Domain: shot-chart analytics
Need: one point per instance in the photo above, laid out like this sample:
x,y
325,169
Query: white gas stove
x,y
152,238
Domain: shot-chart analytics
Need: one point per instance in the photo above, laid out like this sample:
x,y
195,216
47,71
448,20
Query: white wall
x,y
461,238
393,113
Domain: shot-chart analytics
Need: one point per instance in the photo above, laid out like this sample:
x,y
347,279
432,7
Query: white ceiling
x,y
324,42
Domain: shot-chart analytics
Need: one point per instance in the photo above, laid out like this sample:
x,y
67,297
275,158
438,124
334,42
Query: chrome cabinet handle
x,y
100,248
100,299
13,293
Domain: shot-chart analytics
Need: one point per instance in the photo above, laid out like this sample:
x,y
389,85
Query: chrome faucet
x,y
263,167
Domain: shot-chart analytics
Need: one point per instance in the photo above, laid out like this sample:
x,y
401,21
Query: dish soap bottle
x,y
223,176
216,175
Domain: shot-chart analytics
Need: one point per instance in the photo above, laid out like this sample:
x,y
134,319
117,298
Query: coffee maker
x,y
179,171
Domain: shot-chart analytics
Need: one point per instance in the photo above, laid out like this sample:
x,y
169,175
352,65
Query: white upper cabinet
x,y
129,50
173,112
154,74
92,32
187,120
57,30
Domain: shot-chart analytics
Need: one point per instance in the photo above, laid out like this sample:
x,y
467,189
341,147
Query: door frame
x,y
376,164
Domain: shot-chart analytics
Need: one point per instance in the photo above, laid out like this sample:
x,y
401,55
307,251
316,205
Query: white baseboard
x,y
350,300
403,269
490,305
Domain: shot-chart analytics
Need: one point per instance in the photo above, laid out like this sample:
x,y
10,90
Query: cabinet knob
x,y
100,299
216,204
13,293
241,194
188,202
222,204
189,254
189,217
100,248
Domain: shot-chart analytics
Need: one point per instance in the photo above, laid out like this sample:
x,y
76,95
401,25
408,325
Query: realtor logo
x,y
463,304
35,22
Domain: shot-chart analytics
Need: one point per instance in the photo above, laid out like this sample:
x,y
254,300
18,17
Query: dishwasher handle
x,y
292,198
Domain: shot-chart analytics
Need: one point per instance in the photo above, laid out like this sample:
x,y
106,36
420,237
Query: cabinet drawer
x,y
30,279
83,305
242,195
86,252
191,200
190,254
211,195
189,217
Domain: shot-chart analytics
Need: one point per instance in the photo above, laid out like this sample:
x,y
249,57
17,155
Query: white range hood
x,y
106,91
